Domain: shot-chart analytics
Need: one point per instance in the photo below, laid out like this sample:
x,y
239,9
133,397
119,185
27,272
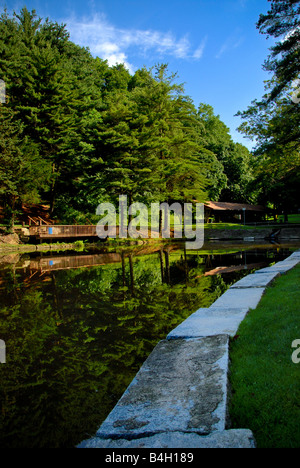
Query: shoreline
x,y
180,396
237,233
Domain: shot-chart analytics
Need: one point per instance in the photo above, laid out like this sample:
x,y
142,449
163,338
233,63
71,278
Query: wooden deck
x,y
62,231
56,231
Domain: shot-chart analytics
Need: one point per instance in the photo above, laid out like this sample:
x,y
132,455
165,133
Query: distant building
x,y
233,212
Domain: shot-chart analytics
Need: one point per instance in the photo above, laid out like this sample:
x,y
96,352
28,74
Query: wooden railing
x,y
62,231
74,230
37,222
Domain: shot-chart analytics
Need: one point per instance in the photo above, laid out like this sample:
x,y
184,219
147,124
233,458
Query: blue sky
x,y
213,45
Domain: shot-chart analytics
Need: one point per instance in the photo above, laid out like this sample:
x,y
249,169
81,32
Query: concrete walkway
x,y
179,397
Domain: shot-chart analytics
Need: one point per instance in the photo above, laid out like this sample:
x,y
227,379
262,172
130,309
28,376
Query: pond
x,y
78,326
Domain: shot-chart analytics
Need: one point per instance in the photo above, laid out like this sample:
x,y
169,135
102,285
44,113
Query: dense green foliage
x,y
76,132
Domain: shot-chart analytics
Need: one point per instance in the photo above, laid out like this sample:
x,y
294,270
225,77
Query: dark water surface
x,y
78,326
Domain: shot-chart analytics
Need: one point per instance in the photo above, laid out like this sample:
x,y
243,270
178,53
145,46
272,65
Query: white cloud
x,y
232,42
200,50
116,44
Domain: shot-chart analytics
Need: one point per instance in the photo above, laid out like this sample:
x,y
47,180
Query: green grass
x,y
230,226
293,218
265,383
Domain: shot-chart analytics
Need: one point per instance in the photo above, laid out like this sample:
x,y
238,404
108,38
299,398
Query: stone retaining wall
x,y
286,233
179,397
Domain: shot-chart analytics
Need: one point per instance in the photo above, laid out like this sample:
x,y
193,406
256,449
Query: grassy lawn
x,y
265,382
231,226
293,218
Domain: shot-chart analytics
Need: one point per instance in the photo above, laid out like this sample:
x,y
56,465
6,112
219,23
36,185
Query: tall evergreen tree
x,y
274,121
170,130
230,163
22,173
282,21
52,87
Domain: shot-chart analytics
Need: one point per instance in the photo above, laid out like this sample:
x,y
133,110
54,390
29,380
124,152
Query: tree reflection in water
x,y
75,338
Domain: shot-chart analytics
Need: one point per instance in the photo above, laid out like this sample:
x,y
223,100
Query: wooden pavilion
x,y
233,212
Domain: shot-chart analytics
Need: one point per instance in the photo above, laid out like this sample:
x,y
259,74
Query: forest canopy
x,y
75,132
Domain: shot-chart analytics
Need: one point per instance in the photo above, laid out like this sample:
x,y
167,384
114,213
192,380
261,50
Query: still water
x,y
78,326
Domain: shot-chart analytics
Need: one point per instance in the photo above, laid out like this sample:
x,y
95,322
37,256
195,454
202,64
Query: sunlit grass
x,y
265,382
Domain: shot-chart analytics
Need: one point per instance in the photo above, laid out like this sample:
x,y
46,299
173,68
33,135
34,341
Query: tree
x,y
149,145
120,150
282,21
229,163
34,87
275,119
274,122
53,87
170,130
22,173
